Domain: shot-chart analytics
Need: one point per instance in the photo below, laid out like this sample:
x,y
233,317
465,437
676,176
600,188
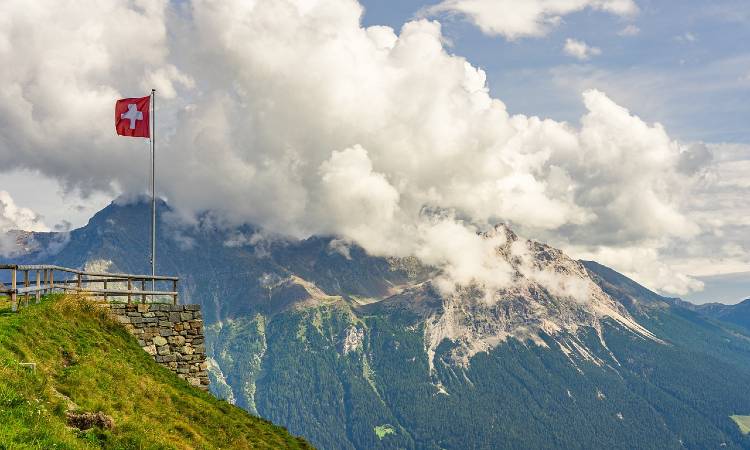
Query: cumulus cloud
x,y
70,60
513,19
630,30
580,50
14,218
291,115
644,265
718,203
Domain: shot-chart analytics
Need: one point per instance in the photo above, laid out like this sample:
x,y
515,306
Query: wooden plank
x,y
120,292
31,289
123,276
13,294
45,283
38,286
26,284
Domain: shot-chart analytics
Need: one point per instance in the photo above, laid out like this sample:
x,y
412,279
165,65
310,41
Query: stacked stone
x,y
172,334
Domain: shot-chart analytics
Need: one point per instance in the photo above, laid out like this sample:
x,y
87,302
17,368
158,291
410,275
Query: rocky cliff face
x,y
549,295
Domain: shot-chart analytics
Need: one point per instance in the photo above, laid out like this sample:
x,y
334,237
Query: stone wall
x,y
172,334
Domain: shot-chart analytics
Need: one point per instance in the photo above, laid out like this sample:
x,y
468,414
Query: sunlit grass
x,y
84,358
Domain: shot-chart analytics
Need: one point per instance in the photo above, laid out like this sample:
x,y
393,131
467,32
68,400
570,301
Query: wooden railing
x,y
37,280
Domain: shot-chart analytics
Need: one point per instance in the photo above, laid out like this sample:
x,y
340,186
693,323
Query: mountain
x,y
353,351
738,314
88,370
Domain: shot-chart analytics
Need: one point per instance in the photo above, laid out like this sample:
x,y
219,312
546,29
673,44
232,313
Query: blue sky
x,y
688,67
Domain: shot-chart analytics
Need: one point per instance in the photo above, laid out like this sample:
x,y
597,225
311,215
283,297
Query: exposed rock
x,y
69,404
549,294
353,339
86,420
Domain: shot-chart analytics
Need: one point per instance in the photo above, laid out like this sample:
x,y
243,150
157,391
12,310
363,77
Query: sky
x,y
616,130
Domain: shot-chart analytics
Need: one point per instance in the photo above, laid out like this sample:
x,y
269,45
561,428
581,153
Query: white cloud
x,y
718,203
164,79
687,37
644,265
71,60
358,202
15,218
290,115
580,50
630,30
514,19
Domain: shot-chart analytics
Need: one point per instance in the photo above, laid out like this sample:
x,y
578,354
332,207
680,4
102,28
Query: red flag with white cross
x,y
132,117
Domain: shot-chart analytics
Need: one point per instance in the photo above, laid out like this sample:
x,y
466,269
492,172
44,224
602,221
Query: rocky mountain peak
x,y
550,294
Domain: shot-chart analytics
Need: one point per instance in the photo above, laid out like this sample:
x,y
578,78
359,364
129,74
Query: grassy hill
x,y
85,362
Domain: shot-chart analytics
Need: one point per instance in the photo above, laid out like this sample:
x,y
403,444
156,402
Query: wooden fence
x,y
37,280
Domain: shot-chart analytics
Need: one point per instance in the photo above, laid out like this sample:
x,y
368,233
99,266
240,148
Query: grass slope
x,y
87,362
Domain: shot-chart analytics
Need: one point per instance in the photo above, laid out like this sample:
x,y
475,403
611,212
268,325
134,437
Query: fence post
x,y
38,286
13,294
130,290
174,289
143,288
26,284
52,281
105,289
80,282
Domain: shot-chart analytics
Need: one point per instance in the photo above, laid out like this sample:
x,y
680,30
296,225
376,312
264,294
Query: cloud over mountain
x,y
292,115
14,218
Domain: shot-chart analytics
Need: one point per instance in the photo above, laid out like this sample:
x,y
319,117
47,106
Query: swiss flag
x,y
132,118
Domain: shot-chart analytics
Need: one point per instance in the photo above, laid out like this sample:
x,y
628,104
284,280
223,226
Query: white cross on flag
x,y
132,118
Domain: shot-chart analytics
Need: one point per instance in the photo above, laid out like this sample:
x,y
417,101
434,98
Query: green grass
x,y
743,422
384,430
84,357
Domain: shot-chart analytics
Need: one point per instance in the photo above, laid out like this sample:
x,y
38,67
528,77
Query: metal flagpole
x,y
153,188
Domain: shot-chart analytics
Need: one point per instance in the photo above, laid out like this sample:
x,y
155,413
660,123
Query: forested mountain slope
x,y
354,351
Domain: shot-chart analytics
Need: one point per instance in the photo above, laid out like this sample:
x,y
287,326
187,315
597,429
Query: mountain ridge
x,y
336,344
